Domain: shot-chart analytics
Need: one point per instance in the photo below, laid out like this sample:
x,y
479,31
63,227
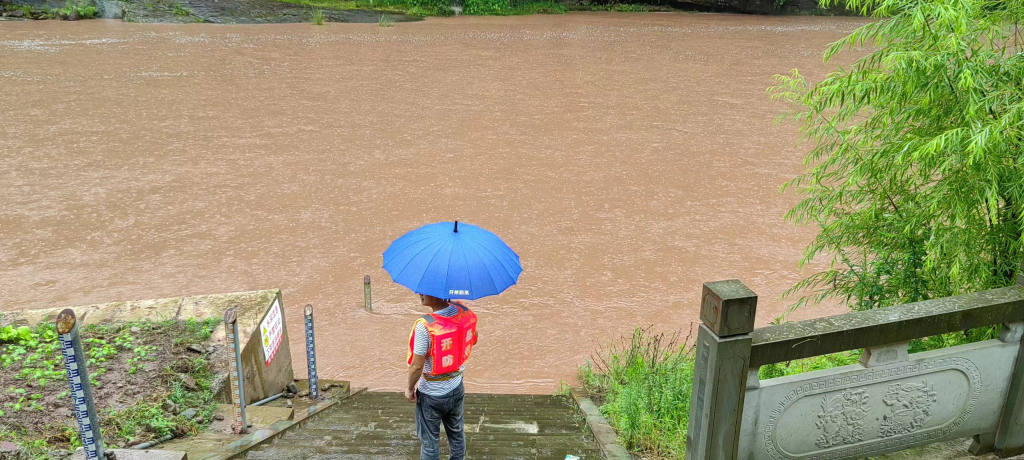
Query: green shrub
x,y
644,387
485,7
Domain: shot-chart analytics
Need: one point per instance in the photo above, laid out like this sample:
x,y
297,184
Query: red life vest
x,y
451,341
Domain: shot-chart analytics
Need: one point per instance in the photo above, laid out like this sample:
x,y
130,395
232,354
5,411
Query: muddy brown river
x,y
627,158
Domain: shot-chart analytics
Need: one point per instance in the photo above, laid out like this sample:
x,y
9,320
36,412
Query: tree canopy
x,y
916,174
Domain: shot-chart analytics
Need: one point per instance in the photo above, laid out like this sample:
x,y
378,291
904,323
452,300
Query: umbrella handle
x,y
456,226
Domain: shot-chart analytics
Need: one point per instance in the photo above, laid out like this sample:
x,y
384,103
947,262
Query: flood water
x,y
627,158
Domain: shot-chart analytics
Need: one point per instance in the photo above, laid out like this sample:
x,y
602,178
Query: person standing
x,y
439,345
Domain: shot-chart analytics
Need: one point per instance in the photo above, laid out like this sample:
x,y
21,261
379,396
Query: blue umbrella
x,y
450,260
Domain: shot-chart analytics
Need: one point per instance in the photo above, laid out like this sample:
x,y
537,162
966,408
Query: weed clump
x,y
135,369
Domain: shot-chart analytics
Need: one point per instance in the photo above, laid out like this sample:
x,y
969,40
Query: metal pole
x,y
366,293
314,383
237,393
81,389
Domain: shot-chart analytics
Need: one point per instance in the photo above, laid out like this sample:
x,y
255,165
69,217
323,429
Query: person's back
x,y
439,345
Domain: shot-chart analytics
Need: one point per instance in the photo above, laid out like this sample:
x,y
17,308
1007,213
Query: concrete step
x,y
383,425
284,452
311,435
472,439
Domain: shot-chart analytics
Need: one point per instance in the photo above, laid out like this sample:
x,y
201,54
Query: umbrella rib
x,y
406,242
465,263
489,273
418,283
500,262
395,277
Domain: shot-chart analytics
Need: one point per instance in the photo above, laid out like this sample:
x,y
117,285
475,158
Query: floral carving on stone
x,y
841,420
909,408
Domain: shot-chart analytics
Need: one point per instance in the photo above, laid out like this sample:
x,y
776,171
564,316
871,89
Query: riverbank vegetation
x,y
473,7
71,11
915,171
150,380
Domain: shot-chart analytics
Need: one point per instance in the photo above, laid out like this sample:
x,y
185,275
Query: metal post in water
x,y
314,383
366,293
81,389
237,392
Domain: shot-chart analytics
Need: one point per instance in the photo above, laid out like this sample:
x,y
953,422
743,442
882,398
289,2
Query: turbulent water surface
x,y
626,157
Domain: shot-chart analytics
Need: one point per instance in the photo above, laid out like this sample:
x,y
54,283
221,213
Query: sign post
x,y
314,385
81,389
237,391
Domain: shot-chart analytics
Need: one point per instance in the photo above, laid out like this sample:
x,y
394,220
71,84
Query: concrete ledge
x,y
603,432
258,437
133,454
251,306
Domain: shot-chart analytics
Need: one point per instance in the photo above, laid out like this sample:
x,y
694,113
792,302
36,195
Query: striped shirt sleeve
x,y
421,344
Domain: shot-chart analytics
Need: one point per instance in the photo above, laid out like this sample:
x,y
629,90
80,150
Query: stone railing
x,y
891,401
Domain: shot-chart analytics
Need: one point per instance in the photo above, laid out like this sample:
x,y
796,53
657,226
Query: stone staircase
x,y
374,425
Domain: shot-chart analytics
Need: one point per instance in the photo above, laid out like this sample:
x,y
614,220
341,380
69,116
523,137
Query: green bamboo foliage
x,y
916,175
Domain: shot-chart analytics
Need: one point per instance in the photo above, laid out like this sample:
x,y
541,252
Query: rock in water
x,y
16,14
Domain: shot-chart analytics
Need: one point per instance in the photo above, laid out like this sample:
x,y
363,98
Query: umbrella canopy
x,y
452,260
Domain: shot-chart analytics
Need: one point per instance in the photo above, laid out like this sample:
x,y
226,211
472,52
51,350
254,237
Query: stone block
x,y
728,308
885,354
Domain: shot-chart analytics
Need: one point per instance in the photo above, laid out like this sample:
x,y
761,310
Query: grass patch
x,y
318,17
133,367
643,388
386,21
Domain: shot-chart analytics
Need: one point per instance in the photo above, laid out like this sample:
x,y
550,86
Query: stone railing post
x,y
1009,439
720,378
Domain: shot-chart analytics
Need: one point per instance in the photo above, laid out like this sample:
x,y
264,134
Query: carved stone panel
x,y
857,412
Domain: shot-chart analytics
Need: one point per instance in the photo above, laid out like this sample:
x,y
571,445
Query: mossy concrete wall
x,y
260,380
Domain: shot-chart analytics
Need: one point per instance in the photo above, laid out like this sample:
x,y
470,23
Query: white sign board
x,y
271,332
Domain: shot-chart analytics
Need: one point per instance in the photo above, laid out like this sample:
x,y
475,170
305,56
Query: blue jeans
x,y
431,412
